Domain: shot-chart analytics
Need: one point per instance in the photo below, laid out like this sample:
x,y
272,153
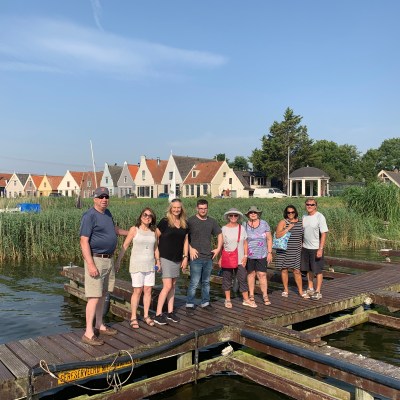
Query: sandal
x,y
285,294
305,295
148,321
249,303
228,304
266,300
133,323
251,297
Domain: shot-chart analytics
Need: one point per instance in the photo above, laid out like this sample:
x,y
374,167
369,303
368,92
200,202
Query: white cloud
x,y
38,44
96,6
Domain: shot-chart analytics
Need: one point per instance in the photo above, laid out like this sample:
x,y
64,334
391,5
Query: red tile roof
x,y
157,169
205,172
133,170
3,178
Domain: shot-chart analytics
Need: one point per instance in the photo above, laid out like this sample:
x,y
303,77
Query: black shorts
x,y
256,264
310,262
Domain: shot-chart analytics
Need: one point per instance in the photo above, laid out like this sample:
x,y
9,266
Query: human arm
x,y
131,234
185,252
220,242
245,249
157,254
269,247
87,256
322,240
121,232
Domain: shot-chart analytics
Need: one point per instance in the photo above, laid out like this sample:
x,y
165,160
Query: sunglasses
x,y
145,215
310,205
233,215
291,212
104,196
253,212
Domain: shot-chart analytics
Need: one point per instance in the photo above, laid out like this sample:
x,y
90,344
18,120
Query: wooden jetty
x,y
293,362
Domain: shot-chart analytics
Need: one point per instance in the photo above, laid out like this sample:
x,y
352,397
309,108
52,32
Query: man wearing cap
x,y
98,239
201,229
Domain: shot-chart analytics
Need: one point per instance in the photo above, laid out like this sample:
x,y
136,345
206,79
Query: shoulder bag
x,y
280,243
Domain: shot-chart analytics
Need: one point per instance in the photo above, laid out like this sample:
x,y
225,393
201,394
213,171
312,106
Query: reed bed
x,y
53,234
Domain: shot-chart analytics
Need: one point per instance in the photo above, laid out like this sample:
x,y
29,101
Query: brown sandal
x,y
148,321
266,300
251,298
134,324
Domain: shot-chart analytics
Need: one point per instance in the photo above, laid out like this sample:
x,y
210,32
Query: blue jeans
x,y
200,270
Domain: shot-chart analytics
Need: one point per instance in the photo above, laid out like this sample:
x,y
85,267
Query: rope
x,y
113,378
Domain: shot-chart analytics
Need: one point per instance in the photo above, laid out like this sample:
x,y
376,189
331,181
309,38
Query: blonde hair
x,y
182,215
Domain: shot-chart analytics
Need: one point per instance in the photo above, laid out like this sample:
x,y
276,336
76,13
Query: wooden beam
x,y
386,298
385,320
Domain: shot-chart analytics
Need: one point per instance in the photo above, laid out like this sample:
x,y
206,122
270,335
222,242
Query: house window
x,y
205,190
125,179
68,184
89,184
187,190
194,174
44,184
192,190
230,181
107,180
143,175
224,174
171,175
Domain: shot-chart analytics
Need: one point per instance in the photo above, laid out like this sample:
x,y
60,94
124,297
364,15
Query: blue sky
x,y
192,77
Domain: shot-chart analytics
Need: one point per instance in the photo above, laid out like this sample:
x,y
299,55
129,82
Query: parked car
x,y
268,193
163,195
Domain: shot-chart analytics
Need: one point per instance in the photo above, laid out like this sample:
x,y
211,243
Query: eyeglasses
x,y
103,196
310,205
291,212
233,215
145,215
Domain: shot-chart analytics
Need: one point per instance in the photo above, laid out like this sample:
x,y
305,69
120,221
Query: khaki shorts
x,y
102,283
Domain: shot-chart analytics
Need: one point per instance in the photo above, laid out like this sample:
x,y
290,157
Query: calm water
x,y
33,303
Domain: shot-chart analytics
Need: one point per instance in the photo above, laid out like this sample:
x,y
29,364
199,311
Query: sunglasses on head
x,y
104,196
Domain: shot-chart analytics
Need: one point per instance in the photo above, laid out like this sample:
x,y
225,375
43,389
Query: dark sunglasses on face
x,y
253,212
233,215
290,212
104,196
147,215
310,205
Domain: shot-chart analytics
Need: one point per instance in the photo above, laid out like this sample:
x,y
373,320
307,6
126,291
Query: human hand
x,y
93,271
193,253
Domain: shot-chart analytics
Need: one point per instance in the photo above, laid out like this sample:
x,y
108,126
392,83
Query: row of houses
x,y
182,175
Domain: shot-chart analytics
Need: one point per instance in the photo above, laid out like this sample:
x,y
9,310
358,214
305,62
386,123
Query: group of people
x,y
244,250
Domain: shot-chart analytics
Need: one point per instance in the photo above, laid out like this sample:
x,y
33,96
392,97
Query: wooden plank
x,y
354,264
386,298
384,320
13,362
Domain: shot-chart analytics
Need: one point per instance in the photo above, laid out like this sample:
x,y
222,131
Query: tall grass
x,y
53,233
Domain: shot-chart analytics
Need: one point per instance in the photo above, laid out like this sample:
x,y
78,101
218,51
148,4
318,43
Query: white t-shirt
x,y
313,225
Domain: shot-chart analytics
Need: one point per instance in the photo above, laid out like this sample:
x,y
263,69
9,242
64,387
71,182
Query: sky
x,y
194,78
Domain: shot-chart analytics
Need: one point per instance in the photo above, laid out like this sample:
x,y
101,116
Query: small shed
x,y
308,181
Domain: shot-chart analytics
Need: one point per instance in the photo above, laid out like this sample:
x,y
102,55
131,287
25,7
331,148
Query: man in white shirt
x,y
312,257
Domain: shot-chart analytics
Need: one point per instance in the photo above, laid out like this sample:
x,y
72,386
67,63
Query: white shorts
x,y
140,279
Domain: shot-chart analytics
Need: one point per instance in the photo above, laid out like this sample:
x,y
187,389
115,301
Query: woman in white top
x,y
144,255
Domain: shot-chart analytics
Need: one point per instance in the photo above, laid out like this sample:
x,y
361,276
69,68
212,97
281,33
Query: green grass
x,y
53,234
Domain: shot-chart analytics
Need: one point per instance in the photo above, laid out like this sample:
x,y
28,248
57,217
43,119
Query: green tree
x,y
221,157
240,163
389,152
272,158
369,165
340,162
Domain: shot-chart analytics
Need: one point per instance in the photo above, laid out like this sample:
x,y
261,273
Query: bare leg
x,y
171,296
285,279
99,312
251,281
167,285
146,300
298,280
137,291
310,278
262,278
227,295
91,307
319,282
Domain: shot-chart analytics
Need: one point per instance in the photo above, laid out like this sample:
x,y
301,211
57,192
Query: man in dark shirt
x,y
98,235
201,229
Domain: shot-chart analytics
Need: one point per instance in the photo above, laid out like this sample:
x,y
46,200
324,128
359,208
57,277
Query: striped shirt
x,y
257,240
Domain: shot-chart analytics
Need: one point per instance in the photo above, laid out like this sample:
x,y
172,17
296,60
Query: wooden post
x,y
363,395
184,360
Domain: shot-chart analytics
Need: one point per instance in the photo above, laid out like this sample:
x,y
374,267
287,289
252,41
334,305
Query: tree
x,y
389,152
221,157
369,165
340,162
240,163
285,137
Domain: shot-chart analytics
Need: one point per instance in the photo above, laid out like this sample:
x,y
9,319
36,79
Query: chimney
x,y
158,160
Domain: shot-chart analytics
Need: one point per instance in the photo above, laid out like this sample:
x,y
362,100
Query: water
x,y
33,303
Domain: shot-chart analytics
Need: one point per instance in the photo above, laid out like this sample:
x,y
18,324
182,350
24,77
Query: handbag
x,y
280,243
230,259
